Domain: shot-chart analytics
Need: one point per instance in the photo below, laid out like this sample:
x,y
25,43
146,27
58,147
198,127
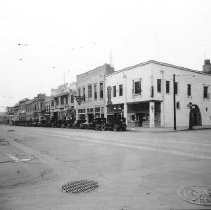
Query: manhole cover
x,y
200,195
11,130
80,186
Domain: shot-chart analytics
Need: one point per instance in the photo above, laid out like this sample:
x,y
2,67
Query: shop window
x,y
97,109
81,110
158,85
189,90
114,91
72,99
102,109
167,86
120,90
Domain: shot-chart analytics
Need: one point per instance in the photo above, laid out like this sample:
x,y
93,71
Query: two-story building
x,y
63,100
29,110
22,109
90,98
144,94
48,107
39,107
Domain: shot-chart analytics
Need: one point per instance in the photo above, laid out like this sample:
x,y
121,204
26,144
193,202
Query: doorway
x,y
195,116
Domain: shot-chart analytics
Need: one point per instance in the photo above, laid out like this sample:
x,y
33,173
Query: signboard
x,y
79,99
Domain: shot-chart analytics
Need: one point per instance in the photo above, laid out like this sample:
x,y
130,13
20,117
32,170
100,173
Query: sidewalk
x,y
167,129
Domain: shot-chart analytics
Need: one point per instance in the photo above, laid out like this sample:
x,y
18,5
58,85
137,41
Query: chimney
x,y
207,66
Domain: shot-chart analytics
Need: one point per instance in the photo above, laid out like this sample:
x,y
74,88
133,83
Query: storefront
x,y
139,113
115,109
81,114
90,114
97,112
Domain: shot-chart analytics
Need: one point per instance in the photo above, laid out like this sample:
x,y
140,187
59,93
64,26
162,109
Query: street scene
x,y
133,169
105,105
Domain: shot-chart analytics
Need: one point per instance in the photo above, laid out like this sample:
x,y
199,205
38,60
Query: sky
x,y
43,40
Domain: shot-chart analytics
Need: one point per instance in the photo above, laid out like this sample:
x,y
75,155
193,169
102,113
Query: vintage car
x,y
115,123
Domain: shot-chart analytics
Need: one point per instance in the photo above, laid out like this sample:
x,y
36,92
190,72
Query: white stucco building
x,y
144,94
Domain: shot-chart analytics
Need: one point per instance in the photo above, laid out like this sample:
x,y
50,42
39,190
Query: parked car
x,y
96,123
115,123
80,123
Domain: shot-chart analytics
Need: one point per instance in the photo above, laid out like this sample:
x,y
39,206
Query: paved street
x,y
135,170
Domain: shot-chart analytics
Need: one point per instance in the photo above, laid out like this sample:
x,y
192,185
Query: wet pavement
x,y
135,170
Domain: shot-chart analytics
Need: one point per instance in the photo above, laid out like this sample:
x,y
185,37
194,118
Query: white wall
x,y
183,78
149,74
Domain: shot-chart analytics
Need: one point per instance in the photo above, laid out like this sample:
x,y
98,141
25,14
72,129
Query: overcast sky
x,y
76,36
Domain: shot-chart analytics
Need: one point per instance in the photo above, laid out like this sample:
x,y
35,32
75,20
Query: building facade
x,y
144,94
90,98
30,110
38,107
22,109
62,100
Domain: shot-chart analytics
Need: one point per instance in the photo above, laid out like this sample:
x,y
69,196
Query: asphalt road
x,y
135,170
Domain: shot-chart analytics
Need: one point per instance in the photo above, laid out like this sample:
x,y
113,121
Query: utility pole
x,y
174,101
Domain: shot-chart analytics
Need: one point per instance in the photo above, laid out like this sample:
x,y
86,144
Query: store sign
x,y
79,99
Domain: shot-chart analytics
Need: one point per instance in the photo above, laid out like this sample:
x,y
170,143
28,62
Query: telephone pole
x,y
174,101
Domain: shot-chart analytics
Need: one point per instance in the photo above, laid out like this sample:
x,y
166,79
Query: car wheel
x,y
103,127
115,128
97,127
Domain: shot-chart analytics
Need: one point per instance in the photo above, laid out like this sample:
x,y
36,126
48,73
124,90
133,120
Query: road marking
x,y
16,159
127,145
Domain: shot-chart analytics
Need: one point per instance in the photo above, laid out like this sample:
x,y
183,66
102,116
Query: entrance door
x,y
195,116
90,117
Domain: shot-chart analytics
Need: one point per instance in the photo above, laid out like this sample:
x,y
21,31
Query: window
x,y
158,85
120,90
62,100
72,99
205,91
137,87
89,91
95,91
178,105
84,93
101,90
79,91
189,89
167,86
176,88
114,91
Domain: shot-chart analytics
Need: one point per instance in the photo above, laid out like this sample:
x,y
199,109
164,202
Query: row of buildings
x,y
60,105
146,94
